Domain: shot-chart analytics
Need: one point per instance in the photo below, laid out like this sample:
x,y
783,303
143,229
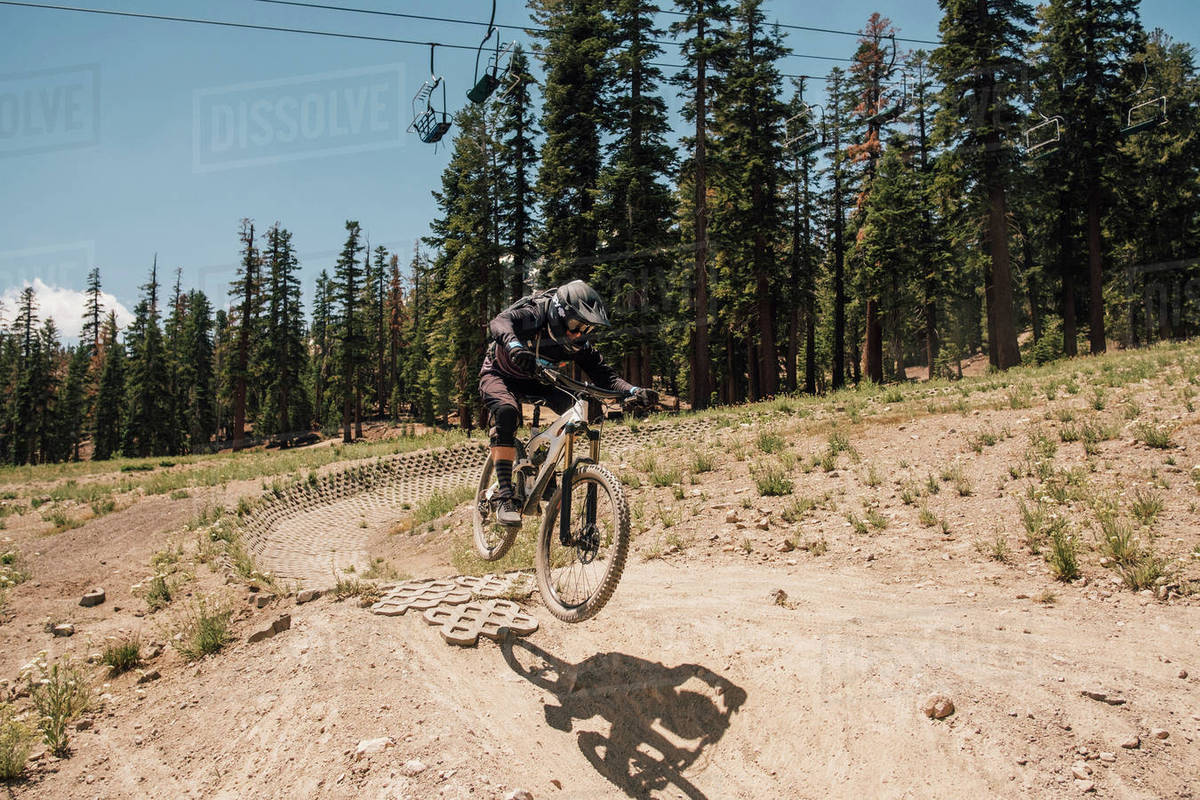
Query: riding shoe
x,y
507,512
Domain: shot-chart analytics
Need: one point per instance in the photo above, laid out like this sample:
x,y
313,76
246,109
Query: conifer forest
x,y
1027,188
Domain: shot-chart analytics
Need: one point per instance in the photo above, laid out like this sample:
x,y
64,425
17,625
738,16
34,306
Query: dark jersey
x,y
527,322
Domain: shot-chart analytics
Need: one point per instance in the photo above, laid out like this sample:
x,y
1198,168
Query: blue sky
x,y
121,138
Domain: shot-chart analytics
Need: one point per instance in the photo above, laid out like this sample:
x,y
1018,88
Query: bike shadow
x,y
661,719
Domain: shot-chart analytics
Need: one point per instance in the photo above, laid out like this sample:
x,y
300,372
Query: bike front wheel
x,y
492,540
578,570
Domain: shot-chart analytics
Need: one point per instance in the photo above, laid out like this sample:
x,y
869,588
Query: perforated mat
x,y
463,625
312,531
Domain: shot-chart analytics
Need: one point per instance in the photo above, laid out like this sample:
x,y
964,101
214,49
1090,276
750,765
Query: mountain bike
x,y
583,538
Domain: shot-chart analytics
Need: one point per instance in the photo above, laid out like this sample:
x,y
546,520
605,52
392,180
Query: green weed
x,y
16,743
204,629
1147,505
123,654
59,693
772,481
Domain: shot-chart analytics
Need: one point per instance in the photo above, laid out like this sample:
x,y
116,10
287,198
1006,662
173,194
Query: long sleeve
x,y
601,373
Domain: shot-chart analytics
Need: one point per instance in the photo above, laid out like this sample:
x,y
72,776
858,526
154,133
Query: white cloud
x,y
64,306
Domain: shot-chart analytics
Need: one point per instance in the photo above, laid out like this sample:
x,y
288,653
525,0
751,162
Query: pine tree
x,y
1089,45
348,276
246,293
978,63
516,154
148,424
397,322
24,406
465,292
872,69
750,115
285,407
803,256
837,223
575,52
111,398
72,409
173,356
93,312
322,335
635,208
46,379
197,373
704,42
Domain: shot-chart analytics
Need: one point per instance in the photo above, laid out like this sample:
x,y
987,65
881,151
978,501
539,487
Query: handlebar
x,y
549,373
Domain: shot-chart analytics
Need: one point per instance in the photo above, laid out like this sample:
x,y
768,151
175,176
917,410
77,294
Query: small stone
x,y
84,724
938,706
262,600
1081,771
1085,786
369,747
63,629
1159,733
1183,673
412,768
307,595
519,794
764,525
151,675
785,546
1108,758
778,597
153,651
1095,695
1132,743
731,516
93,598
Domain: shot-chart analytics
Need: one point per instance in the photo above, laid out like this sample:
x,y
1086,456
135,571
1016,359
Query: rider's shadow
x,y
661,719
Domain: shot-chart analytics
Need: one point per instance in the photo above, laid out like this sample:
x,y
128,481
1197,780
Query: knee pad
x,y
504,432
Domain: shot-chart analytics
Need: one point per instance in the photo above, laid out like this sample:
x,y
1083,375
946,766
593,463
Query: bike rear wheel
x,y
578,578
492,540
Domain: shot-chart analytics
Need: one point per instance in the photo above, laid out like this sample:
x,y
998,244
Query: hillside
x,y
806,573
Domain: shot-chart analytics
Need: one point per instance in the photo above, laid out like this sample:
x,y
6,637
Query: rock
x,y
764,525
412,768
278,626
369,747
1095,695
262,600
63,629
1108,758
938,706
153,651
1183,673
1132,743
731,516
518,794
1085,786
1159,733
151,675
1081,771
84,724
778,597
93,598
307,596
785,546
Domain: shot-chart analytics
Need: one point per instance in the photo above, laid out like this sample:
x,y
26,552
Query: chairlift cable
x,y
312,32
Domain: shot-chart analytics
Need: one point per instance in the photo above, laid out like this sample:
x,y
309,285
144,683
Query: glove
x,y
523,358
646,397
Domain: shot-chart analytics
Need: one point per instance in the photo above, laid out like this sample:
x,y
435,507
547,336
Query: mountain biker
x,y
553,325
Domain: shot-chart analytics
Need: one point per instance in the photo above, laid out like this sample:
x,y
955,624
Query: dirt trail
x,y
694,682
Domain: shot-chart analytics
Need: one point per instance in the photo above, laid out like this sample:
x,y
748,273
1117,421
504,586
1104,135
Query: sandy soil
x,y
698,680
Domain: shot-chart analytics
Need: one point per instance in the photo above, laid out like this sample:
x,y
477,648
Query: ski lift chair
x,y
495,74
1044,138
1144,116
802,136
430,124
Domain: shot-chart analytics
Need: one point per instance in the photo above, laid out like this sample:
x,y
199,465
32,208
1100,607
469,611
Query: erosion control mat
x,y
310,531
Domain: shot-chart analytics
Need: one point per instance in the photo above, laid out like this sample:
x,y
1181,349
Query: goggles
x,y
580,327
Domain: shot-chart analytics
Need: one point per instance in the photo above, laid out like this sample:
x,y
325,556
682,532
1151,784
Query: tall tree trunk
x,y
873,347
701,384
1000,297
1096,337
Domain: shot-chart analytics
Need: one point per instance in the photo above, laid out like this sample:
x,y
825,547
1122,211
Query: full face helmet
x,y
577,311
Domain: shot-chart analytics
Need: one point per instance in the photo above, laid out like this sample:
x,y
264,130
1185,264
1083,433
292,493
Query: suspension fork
x,y
568,480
